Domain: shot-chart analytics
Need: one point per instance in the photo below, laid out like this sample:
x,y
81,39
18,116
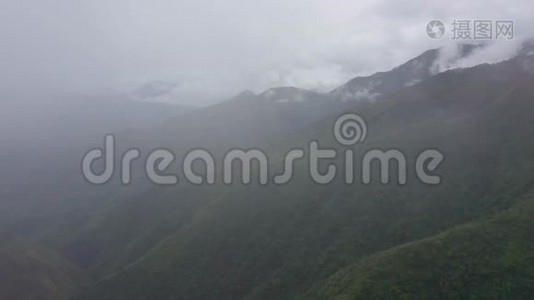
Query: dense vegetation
x,y
490,258
277,242
465,238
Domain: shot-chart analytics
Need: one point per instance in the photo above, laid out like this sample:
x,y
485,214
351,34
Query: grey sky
x,y
214,49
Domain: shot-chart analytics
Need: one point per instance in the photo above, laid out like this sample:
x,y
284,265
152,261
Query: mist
x,y
211,51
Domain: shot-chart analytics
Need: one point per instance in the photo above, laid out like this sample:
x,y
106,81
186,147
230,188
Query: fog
x,y
210,50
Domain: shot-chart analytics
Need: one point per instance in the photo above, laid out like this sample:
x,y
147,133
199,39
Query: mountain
x,y
487,258
248,118
29,271
154,89
381,84
291,94
282,242
287,241
42,140
410,73
51,119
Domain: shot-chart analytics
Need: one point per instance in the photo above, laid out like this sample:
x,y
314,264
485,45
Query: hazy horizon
x,y
210,52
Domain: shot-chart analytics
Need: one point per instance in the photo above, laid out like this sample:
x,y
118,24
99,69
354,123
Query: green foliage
x,y
278,242
491,258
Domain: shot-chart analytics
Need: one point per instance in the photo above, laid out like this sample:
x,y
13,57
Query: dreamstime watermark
x,y
349,130
466,29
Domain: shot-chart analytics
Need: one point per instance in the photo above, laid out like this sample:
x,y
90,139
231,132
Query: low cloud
x,y
215,50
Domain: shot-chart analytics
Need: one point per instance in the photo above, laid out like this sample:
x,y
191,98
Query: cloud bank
x,y
214,49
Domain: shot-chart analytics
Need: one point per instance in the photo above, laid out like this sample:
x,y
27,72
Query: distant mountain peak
x,y
245,93
155,89
287,94
410,73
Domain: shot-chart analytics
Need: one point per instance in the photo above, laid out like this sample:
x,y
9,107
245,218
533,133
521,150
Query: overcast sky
x,y
214,49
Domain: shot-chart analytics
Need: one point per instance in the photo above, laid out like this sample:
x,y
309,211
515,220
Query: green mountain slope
x,y
276,242
491,258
